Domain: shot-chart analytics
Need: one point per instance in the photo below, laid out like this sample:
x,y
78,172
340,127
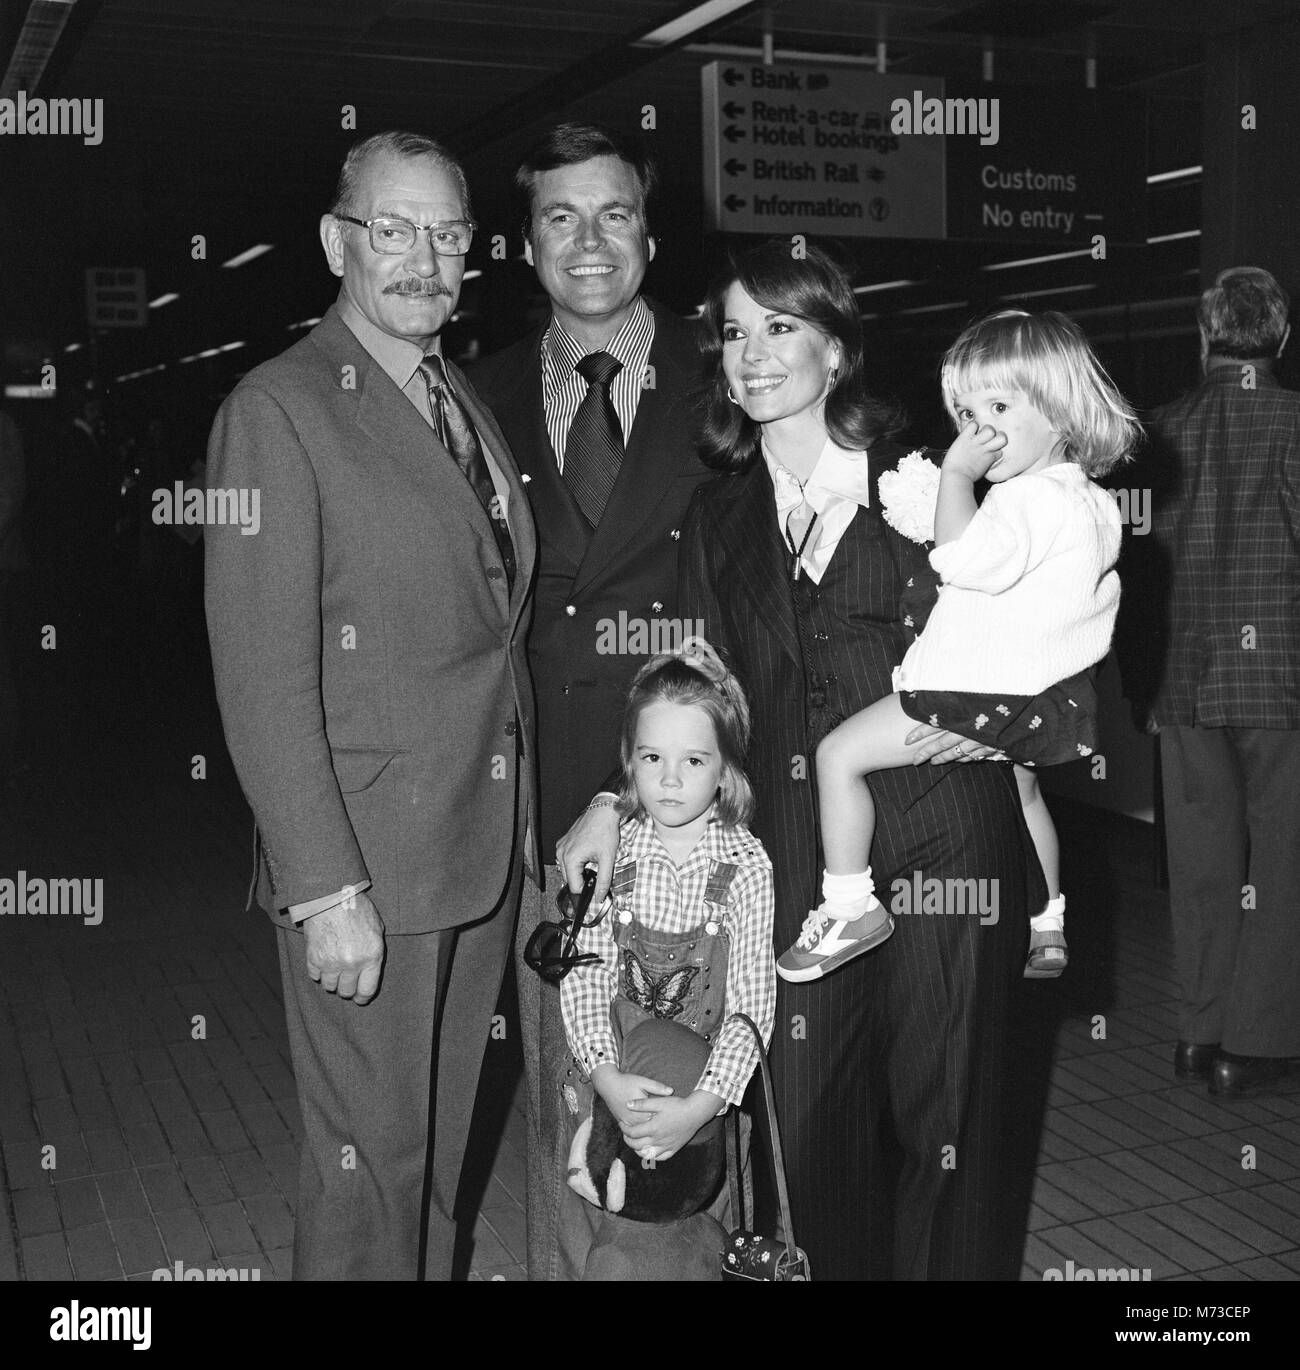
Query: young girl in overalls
x,y
689,933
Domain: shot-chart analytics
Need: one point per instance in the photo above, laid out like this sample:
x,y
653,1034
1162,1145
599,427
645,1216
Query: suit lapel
x,y
756,550
523,418
391,423
752,543
522,532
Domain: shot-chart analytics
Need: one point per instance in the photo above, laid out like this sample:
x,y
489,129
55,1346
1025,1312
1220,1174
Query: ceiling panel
x,y
222,117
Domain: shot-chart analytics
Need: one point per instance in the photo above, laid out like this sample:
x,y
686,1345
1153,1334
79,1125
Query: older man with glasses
x,y
367,643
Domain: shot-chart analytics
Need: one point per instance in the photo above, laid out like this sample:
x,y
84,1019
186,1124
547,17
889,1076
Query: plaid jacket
x,y
1226,535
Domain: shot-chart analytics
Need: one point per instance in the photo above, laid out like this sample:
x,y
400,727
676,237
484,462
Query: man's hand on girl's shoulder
x,y
591,841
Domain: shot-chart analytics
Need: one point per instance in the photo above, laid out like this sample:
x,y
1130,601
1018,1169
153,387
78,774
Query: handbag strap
x,y
735,1178
774,1132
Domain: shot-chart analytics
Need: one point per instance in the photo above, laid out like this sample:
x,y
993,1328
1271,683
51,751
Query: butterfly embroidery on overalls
x,y
679,976
664,996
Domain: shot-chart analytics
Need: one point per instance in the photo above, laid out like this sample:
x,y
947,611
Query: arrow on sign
x,y
733,135
874,173
733,167
732,110
732,77
735,202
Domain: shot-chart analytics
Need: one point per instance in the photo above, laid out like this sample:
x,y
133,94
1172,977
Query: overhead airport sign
x,y
839,151
1069,165
794,149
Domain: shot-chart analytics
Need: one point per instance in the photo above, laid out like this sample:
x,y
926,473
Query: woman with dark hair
x,y
889,1071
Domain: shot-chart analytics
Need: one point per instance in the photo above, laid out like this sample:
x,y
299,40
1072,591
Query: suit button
x,y
494,573
570,610
676,535
511,729
657,607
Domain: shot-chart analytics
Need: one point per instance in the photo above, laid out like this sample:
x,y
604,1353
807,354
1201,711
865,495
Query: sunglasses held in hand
x,y
552,950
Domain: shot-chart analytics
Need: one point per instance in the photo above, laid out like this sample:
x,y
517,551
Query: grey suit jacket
x,y
369,662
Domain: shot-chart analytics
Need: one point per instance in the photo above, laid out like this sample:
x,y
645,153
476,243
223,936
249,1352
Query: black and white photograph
x,y
649,641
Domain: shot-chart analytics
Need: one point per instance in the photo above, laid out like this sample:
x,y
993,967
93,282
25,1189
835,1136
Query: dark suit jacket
x,y
586,580
1223,580
369,664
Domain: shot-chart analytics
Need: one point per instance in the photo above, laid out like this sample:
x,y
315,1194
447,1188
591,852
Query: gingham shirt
x,y
564,388
670,899
1230,527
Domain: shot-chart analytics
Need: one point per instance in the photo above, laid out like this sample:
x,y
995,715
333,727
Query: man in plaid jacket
x,y
1227,690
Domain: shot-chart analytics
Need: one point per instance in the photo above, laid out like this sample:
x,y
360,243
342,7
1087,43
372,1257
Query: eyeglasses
x,y
552,950
451,238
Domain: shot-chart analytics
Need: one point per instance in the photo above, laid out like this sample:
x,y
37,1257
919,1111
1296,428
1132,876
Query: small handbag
x,y
748,1256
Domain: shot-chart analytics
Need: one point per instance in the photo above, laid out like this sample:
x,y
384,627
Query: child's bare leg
x,y
1041,829
869,741
1047,951
850,919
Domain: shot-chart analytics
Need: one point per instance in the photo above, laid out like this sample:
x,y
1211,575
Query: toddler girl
x,y
1028,599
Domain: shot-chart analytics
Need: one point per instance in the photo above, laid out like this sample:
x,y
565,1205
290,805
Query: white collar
x,y
838,473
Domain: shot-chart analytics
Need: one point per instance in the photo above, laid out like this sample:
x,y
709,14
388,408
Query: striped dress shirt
x,y
564,388
669,898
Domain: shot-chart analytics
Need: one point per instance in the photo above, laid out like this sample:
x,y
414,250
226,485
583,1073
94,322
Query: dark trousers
x,y
545,1050
387,1093
1232,831
889,1072
889,1078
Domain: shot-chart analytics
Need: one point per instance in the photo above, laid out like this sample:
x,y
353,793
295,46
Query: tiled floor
x,y
147,1109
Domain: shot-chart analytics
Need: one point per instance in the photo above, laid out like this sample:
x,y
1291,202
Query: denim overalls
x,y
677,975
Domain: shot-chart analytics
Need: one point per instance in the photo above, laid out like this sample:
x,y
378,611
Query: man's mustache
x,y
429,288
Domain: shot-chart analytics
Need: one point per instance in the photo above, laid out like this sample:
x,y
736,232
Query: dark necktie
x,y
593,451
456,431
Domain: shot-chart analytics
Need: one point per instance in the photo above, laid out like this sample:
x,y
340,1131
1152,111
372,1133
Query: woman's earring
x,y
732,397
831,377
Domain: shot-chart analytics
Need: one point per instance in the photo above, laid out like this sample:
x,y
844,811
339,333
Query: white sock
x,y
848,897
1052,918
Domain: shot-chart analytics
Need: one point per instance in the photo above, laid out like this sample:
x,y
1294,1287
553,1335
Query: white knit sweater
x,y
1029,592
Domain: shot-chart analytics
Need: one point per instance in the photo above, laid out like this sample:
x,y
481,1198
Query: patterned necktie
x,y
456,432
593,451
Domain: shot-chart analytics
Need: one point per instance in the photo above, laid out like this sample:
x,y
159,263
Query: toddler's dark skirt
x,y
1046,729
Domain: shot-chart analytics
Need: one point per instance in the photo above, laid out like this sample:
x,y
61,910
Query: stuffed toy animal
x,y
654,1226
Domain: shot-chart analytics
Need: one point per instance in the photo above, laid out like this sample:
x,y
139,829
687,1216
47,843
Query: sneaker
x,y
825,944
1048,955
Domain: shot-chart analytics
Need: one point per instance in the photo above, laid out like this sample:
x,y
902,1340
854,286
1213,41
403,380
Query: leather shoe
x,y
1194,1060
1245,1074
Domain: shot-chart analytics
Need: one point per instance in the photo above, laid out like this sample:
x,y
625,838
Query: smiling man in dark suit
x,y
368,648
600,408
